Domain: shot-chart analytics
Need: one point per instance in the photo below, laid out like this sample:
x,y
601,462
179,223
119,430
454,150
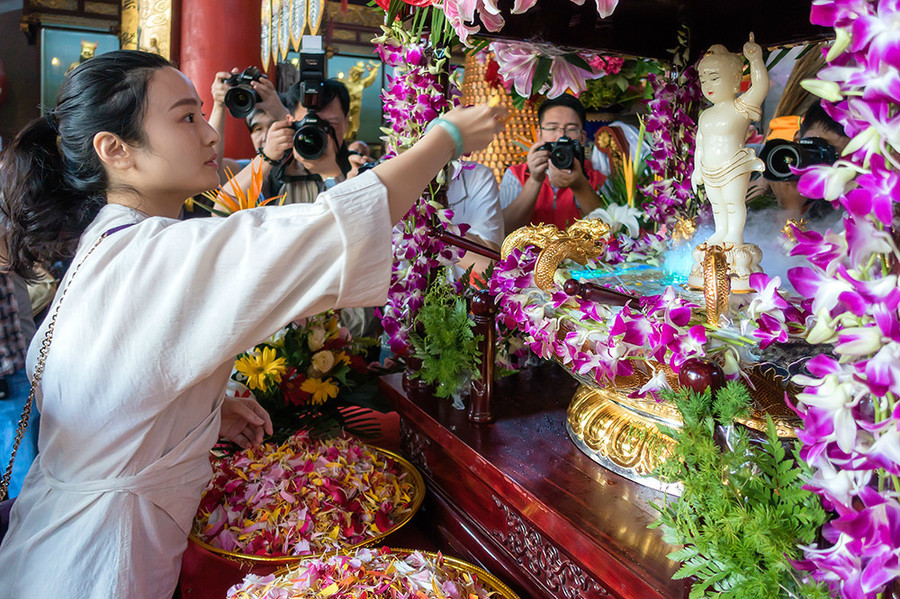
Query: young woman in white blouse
x,y
131,397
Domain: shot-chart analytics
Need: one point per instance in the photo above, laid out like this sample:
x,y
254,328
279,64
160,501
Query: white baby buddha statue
x,y
722,162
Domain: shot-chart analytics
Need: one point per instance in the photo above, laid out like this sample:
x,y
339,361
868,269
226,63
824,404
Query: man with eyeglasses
x,y
538,192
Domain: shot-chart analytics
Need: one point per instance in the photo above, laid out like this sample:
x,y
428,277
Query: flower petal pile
x,y
367,574
302,497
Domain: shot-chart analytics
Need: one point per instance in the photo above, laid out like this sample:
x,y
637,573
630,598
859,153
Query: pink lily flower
x,y
517,63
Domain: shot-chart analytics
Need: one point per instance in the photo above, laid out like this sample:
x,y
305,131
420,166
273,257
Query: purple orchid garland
x,y
672,130
413,98
599,342
850,407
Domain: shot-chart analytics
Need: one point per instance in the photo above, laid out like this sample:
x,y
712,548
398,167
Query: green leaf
x,y
541,74
578,61
778,58
742,513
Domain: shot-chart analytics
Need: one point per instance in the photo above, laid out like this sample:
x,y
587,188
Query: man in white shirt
x,y
474,197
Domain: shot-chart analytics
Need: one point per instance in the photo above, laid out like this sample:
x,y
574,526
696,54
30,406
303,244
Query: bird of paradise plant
x,y
225,203
628,176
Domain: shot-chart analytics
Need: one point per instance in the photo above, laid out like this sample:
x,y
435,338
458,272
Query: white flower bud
x,y
828,90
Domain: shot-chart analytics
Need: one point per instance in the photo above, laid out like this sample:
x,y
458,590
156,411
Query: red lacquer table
x,y
519,498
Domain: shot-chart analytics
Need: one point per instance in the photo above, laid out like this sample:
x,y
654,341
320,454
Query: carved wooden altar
x,y
519,498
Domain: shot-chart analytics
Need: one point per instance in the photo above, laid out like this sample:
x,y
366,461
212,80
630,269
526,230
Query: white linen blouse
x,y
134,379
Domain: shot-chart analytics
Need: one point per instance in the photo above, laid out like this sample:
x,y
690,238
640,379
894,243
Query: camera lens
x,y
310,142
240,100
562,157
780,160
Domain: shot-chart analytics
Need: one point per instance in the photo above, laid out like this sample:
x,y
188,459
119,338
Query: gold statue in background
x,y
357,80
88,49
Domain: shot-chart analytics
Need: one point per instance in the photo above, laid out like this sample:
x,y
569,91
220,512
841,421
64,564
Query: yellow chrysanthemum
x,y
261,367
320,390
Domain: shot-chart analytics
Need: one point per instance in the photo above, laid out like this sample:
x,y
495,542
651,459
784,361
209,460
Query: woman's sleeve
x,y
216,287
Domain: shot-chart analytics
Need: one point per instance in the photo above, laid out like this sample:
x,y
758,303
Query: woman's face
x,y
179,159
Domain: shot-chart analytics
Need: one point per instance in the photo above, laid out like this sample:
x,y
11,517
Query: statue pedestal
x,y
743,261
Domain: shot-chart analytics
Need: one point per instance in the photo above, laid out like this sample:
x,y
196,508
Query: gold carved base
x,y
620,439
622,433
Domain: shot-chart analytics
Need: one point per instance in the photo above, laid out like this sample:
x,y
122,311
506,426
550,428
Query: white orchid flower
x,y
617,216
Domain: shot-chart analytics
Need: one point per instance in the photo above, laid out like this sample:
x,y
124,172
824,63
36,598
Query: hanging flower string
x,y
366,574
850,405
302,497
672,132
413,98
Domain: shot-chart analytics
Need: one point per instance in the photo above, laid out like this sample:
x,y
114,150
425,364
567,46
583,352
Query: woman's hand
x,y
477,124
244,421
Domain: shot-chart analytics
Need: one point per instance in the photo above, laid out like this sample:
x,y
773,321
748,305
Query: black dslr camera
x,y
312,132
564,152
780,155
241,99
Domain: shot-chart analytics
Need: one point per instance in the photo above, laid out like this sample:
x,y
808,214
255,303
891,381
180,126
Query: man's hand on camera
x,y
568,178
220,88
279,140
325,165
356,161
269,100
538,160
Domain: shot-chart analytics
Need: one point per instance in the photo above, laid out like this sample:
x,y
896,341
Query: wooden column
x,y
217,35
484,310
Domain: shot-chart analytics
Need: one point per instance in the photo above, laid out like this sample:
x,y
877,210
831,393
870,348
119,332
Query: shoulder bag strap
x,y
39,367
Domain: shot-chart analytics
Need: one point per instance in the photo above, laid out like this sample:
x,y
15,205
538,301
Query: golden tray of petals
x,y
373,566
400,516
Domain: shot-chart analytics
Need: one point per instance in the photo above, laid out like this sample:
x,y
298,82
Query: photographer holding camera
x,y
555,185
304,153
820,140
248,95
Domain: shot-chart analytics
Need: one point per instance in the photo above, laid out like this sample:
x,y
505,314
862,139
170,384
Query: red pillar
x,y
217,35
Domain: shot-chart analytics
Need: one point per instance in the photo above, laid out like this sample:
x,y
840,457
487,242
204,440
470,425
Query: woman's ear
x,y
113,152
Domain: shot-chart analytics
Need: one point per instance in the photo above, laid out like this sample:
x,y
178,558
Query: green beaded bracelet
x,y
453,130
